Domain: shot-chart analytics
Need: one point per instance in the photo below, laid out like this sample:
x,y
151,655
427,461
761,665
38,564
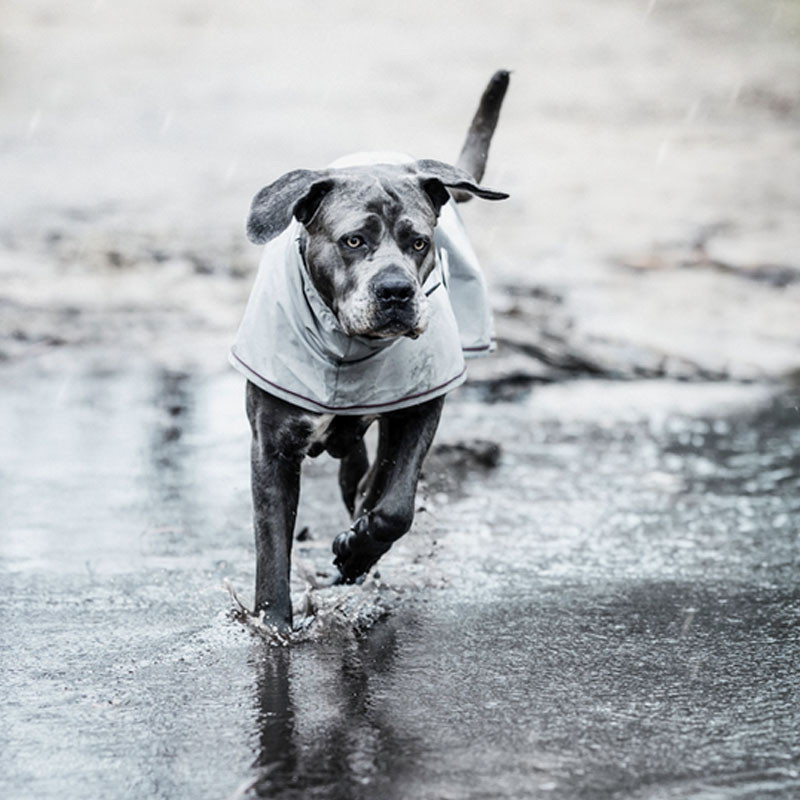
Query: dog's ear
x,y
437,177
297,193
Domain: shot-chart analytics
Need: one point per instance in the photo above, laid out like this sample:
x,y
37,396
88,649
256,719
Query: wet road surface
x,y
610,612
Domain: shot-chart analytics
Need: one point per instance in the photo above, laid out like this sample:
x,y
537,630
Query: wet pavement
x,y
609,611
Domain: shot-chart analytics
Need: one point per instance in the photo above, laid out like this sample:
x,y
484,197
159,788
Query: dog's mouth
x,y
389,321
394,331
396,323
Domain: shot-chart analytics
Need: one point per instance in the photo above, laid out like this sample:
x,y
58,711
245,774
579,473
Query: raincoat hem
x,y
310,404
479,350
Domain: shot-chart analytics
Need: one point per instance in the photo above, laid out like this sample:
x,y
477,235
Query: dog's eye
x,y
420,244
353,242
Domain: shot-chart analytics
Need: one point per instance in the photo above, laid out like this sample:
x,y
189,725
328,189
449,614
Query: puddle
x,y
598,600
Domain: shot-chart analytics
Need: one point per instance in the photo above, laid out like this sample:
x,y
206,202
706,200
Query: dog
x,y
352,319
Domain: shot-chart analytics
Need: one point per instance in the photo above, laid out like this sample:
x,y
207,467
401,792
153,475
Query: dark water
x,y
611,612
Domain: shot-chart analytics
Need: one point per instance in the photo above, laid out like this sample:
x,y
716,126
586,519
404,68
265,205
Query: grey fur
x,y
298,193
374,288
273,207
476,146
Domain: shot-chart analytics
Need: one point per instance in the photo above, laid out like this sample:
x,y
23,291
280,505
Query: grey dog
x,y
366,239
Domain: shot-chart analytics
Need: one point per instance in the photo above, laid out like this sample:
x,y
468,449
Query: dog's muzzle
x,y
397,306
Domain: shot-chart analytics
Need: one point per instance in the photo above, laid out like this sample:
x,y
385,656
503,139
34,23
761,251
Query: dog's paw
x,y
356,551
279,623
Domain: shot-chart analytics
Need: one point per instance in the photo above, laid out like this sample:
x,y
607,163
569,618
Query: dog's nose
x,y
394,289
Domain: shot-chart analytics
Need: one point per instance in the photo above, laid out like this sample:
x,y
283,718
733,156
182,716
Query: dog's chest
x,y
336,433
320,427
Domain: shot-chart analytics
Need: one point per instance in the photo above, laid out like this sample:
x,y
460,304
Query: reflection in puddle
x,y
319,723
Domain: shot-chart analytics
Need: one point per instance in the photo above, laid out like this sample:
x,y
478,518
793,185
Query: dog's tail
x,y
476,147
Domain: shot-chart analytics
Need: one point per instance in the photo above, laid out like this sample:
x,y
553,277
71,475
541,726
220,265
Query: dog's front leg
x,y
280,437
386,509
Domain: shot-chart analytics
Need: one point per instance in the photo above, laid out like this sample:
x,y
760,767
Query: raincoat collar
x,y
292,346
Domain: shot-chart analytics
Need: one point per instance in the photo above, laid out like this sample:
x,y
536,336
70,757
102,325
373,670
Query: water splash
x,y
322,611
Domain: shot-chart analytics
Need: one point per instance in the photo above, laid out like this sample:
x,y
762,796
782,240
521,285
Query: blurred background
x,y
650,149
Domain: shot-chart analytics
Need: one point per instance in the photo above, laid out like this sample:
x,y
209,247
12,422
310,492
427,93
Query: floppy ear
x,y
297,193
437,177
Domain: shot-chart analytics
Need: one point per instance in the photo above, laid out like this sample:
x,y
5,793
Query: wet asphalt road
x,y
610,612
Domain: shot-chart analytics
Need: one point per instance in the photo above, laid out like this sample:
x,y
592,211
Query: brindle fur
x,y
374,289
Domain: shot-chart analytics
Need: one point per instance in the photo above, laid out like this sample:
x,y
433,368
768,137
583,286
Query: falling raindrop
x,y
230,172
34,121
663,149
166,123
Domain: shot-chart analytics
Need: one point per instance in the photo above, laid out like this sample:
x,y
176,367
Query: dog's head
x,y
368,237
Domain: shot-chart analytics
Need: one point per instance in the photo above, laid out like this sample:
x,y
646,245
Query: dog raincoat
x,y
291,345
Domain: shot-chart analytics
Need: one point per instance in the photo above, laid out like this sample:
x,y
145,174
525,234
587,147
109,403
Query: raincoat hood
x,y
291,345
